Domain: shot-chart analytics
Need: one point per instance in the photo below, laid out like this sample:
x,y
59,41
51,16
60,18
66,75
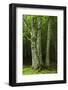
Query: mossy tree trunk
x,y
35,62
36,43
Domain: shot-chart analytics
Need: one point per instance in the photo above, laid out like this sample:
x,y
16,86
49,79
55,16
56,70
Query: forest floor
x,y
27,70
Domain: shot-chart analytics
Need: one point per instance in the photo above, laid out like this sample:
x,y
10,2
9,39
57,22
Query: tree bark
x,y
39,42
36,44
48,44
35,61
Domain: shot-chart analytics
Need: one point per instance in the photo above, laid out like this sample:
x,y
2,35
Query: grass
x,y
27,70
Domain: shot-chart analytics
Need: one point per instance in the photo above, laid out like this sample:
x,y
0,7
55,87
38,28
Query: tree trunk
x,y
36,44
35,61
48,44
39,42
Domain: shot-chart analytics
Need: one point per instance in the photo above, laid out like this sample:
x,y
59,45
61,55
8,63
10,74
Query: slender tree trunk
x,y
48,44
39,42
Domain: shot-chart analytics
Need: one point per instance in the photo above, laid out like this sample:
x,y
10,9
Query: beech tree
x,y
39,40
36,43
35,61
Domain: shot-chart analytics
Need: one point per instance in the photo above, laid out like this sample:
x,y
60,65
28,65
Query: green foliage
x,y
27,20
